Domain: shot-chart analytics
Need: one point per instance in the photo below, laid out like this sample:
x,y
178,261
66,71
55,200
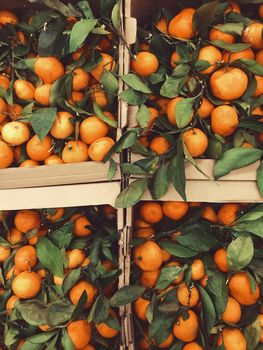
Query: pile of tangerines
x,y
198,293
59,269
48,92
201,84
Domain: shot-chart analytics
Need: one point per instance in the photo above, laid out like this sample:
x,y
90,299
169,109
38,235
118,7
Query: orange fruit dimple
x,y
42,94
99,148
75,152
39,150
195,141
27,220
80,227
232,313
212,55
206,108
187,297
6,155
106,64
92,128
228,213
253,35
181,25
146,63
175,210
186,330
240,289
15,133
159,145
77,290
49,69
81,79
223,80
224,120
216,34
79,333
148,256
26,285
233,339
24,89
220,259
151,212
63,125
26,258
140,308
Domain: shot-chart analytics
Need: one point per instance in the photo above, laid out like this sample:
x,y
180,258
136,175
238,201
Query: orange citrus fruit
x,y
240,289
80,333
99,148
175,210
233,339
27,220
15,133
48,69
186,330
151,212
92,128
232,313
224,120
6,155
39,150
77,290
181,25
148,256
146,63
26,285
75,152
63,125
195,141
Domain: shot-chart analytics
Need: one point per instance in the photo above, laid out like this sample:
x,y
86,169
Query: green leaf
x,y
217,289
252,65
209,313
231,28
160,182
252,215
133,97
116,16
132,169
66,341
202,65
109,82
255,227
204,15
230,47
103,117
251,125
236,158
252,334
260,178
70,279
80,31
177,171
240,252
135,82
33,312
197,237
50,256
41,338
184,112
177,250
57,5
126,295
63,236
102,309
59,312
58,88
168,275
42,121
172,86
112,169
132,194
86,9
143,116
